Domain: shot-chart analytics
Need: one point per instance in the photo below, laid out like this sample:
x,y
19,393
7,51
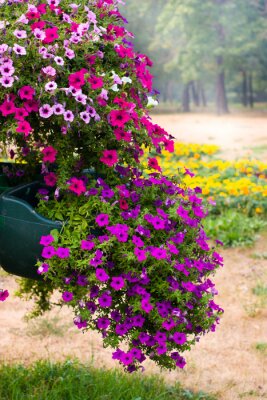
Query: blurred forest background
x,y
209,53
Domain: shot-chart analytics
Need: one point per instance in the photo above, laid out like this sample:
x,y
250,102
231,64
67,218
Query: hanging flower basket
x,y
132,260
20,230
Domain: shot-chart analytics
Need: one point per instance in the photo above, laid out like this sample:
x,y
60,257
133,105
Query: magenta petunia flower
x,y
63,252
117,283
153,163
46,240
110,157
43,269
158,253
101,275
49,154
67,296
4,295
146,306
140,254
87,245
48,252
102,220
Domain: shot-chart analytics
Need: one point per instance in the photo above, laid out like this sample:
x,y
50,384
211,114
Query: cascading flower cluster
x,y
132,258
72,86
135,266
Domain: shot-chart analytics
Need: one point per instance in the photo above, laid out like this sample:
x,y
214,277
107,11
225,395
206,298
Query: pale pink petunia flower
x,y
58,109
7,69
39,34
59,60
20,34
49,71
70,54
46,111
3,48
20,50
85,117
68,116
7,81
50,86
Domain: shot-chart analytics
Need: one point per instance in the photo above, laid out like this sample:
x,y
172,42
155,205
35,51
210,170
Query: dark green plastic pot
x,y
21,228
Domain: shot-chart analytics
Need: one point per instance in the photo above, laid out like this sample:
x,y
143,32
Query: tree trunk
x,y
250,90
186,98
202,94
221,99
244,89
195,94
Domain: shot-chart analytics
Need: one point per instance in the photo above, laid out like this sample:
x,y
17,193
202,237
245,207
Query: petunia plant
x,y
132,258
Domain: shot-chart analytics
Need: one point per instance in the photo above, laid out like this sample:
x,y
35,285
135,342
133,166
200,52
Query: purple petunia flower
x,y
179,337
101,275
87,245
67,296
103,323
117,283
102,220
63,252
105,300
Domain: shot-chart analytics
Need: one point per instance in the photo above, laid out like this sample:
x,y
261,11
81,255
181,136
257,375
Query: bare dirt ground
x,y
230,363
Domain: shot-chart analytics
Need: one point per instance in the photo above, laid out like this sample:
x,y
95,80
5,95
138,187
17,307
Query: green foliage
x,y
73,381
233,228
261,347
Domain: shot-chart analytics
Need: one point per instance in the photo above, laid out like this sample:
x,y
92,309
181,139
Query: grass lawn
x,y
74,381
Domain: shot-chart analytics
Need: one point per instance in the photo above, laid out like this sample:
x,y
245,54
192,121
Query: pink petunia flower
x,y
49,71
51,34
117,282
50,179
77,79
58,109
96,82
119,118
87,245
24,127
49,154
26,92
153,163
120,134
110,157
7,108
20,114
77,186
